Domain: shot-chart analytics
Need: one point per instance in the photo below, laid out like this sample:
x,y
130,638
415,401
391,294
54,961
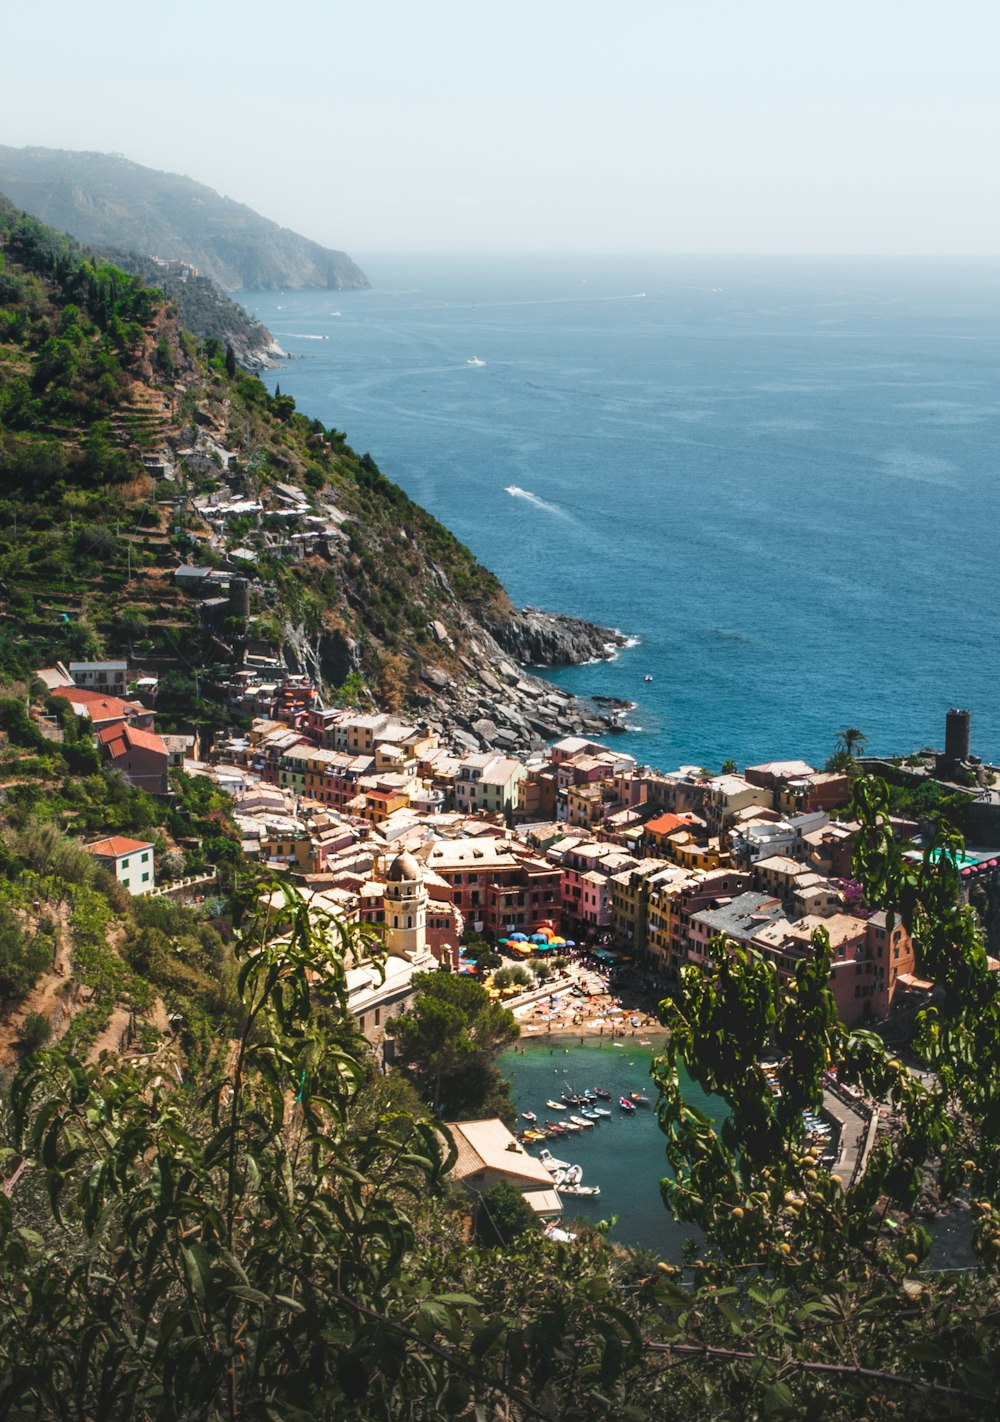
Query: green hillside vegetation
x,y
107,201
202,306
60,909
96,371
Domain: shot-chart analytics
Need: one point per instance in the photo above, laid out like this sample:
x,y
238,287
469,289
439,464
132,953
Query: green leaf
x,y
778,1400
486,1337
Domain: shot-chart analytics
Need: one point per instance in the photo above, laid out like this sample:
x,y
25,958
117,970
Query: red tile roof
x,y
116,846
666,824
146,740
121,738
99,707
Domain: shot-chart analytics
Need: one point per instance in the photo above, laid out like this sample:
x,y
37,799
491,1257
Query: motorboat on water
x,y
579,1189
601,1111
571,1175
602,1093
627,1106
582,1122
529,1116
556,1105
474,360
550,1162
639,1098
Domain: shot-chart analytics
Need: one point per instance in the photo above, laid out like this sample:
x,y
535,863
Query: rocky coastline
x,y
551,639
501,705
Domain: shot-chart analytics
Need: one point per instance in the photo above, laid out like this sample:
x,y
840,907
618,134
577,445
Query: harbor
x,y
622,1153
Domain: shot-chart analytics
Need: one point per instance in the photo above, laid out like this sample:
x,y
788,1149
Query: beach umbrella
x,y
538,938
501,942
518,938
569,943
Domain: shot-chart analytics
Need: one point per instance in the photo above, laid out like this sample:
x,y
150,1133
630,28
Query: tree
x,y
448,1042
483,954
264,1243
850,740
784,1238
729,767
515,976
502,1214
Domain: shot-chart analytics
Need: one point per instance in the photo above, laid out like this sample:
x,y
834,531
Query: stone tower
x,y
406,909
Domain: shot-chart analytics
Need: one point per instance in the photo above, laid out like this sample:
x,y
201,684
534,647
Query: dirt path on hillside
x,y
53,996
112,1039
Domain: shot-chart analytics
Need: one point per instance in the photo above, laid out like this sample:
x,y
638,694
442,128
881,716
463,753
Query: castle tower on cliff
x,y
406,909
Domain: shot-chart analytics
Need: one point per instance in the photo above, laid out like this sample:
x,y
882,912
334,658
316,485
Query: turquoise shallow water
x,y
624,1155
779,474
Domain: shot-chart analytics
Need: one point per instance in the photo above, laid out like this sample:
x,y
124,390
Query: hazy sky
x,y
677,125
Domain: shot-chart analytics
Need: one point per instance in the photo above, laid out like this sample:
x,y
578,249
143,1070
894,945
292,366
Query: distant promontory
x,y
105,200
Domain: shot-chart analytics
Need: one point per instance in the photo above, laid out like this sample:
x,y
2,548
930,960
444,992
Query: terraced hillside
x,y
128,449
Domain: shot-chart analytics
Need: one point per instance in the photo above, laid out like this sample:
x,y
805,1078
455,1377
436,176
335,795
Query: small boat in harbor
x,y
572,1175
572,1126
579,1189
639,1098
582,1122
554,1130
555,1105
602,1093
627,1106
601,1111
550,1162
529,1116
474,360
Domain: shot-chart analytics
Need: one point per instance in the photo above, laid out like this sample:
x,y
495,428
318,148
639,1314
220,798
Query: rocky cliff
x,y
549,639
104,200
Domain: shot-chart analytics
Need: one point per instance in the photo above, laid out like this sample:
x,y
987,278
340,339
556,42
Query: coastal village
x,y
567,850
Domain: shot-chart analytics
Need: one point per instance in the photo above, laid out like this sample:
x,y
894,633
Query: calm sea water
x,y
624,1155
780,475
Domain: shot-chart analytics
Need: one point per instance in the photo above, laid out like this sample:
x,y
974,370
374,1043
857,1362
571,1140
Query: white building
x,y
129,860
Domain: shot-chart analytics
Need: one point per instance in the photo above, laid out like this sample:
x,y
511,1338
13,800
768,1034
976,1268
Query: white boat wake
x,y
519,493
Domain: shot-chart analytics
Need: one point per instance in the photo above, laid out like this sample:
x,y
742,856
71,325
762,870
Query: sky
x,y
709,126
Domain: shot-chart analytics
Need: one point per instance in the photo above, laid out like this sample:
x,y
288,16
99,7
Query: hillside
x,y
129,448
105,200
202,306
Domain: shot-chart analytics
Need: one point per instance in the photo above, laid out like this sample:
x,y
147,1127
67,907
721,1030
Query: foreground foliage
x,y
276,1237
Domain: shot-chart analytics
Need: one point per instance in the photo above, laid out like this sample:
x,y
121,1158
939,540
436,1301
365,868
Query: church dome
x,y
404,866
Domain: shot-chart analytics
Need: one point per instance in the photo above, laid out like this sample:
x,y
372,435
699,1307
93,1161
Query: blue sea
x,y
778,475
